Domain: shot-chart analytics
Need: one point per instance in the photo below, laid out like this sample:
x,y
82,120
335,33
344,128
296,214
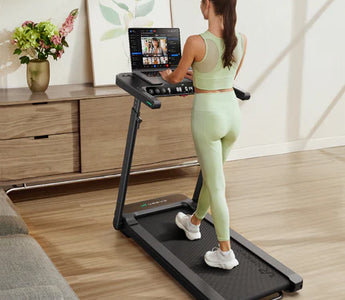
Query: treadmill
x,y
151,223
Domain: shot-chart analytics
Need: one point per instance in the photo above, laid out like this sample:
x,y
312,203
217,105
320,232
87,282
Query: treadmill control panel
x,y
148,93
182,88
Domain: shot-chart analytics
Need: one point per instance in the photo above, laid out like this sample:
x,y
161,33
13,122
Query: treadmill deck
x,y
252,279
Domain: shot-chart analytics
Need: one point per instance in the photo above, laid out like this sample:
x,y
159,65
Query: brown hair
x,y
227,9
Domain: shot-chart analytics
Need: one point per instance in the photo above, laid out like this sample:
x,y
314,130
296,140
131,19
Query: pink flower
x,y
13,42
67,26
69,20
65,29
59,53
56,39
27,23
43,45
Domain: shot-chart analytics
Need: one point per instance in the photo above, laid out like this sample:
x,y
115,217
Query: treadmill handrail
x,y
143,96
242,95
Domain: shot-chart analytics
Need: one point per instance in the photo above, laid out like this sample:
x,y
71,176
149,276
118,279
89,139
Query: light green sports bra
x,y
209,73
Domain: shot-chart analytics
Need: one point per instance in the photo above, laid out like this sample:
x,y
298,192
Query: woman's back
x,y
209,73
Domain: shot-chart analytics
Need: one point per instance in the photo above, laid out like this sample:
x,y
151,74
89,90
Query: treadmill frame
x,y
127,223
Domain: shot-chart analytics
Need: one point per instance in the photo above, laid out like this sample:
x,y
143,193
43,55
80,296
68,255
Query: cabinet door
x,y
41,156
164,136
103,129
18,121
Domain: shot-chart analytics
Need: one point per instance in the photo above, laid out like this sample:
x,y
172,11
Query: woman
x,y
216,57
156,49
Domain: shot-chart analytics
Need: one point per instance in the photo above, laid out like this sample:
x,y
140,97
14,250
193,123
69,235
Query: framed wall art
x,y
109,21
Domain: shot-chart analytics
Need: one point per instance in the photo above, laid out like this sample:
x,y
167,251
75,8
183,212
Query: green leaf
x,y
143,9
110,15
113,33
41,56
63,41
122,5
17,51
24,59
74,12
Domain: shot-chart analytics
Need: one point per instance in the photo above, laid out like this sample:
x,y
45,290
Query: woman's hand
x,y
165,74
189,74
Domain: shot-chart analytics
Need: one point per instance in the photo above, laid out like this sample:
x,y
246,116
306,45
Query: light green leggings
x,y
215,127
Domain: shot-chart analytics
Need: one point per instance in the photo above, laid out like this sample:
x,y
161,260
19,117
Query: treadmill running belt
x,y
252,279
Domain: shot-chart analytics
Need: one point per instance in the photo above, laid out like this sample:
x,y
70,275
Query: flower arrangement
x,y
39,40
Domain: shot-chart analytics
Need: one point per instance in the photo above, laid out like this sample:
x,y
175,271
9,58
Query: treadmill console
x,y
148,93
183,88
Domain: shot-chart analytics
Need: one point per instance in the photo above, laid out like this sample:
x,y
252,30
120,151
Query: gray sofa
x,y
26,272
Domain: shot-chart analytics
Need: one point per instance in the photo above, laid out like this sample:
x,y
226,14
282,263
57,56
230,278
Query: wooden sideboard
x,y
78,131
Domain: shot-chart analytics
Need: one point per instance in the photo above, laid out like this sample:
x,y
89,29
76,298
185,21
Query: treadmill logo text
x,y
261,268
266,271
153,203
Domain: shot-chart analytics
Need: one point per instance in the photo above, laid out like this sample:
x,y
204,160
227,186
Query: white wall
x,y
295,68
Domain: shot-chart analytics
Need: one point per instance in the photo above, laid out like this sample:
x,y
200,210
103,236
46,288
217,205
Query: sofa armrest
x,y
10,220
25,264
42,292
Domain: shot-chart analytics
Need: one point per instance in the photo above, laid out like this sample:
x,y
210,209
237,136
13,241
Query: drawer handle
x,y
41,137
39,103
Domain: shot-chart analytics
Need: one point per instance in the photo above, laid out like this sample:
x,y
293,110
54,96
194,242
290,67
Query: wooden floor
x,y
292,206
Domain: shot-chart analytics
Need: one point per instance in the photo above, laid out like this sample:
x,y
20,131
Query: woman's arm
x,y
186,61
244,52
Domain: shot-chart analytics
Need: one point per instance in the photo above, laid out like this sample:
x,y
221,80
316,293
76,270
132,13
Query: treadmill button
x,y
157,91
151,91
163,90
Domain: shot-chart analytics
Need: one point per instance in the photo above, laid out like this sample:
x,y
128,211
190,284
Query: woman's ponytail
x,y
229,35
227,9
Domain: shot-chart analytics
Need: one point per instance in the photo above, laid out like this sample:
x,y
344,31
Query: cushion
x,y
32,293
24,264
10,221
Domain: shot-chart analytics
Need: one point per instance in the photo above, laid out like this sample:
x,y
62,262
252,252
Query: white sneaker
x,y
183,222
219,259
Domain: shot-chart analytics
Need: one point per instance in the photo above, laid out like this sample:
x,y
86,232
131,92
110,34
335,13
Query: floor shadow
x,y
331,155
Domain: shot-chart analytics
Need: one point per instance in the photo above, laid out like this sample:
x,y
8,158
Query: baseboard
x,y
295,146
